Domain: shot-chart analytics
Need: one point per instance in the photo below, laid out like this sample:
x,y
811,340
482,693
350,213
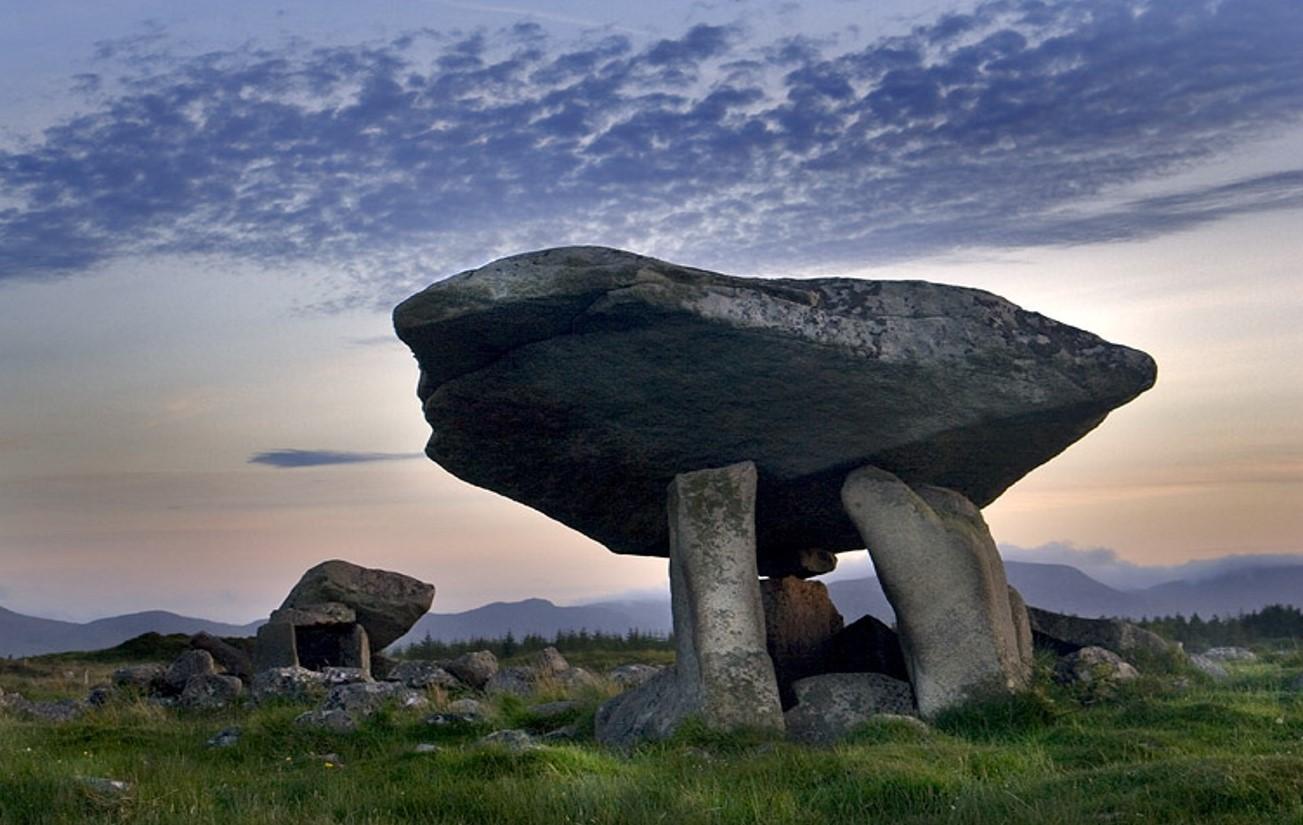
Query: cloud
x,y
398,162
1105,565
290,459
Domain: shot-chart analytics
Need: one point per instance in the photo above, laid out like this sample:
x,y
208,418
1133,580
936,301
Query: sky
x,y
207,212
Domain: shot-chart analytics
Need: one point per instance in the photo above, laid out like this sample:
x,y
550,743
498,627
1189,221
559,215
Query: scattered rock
x,y
188,664
475,669
831,705
335,720
633,675
145,678
292,683
548,662
421,675
225,738
939,384
1230,654
230,658
564,734
516,741
800,623
868,645
100,695
515,681
1065,634
551,710
104,786
575,679
208,691
426,747
61,710
365,698
1093,665
1209,667
467,707
387,604
344,675
938,564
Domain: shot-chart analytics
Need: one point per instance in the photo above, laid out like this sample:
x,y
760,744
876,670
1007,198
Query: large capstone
x,y
563,377
337,592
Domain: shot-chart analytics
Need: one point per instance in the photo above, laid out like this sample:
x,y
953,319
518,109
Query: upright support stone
x,y
722,673
1022,631
276,646
943,575
356,650
801,623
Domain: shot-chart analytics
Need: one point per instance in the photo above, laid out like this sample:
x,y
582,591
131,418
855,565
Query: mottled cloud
x,y
394,163
292,459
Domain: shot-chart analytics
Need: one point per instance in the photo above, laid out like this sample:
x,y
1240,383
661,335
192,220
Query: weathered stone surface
x,y
831,705
514,681
632,675
867,645
292,683
1093,665
309,615
332,676
943,575
335,720
1215,670
1230,654
526,368
722,673
209,691
475,669
141,677
188,664
547,662
1022,631
365,698
228,657
386,604
420,674
800,623
1065,634
574,679
275,647
515,741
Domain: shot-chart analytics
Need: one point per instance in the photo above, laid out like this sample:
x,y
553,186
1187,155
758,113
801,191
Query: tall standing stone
x,y
722,673
943,575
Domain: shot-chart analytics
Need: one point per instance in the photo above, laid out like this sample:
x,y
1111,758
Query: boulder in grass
x,y
475,669
830,706
1093,666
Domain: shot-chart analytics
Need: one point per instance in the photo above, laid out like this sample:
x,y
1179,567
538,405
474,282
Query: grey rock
x,y
800,624
312,615
1230,654
632,675
1209,667
188,664
574,680
386,604
525,367
868,645
228,657
517,680
1065,634
365,698
551,710
1091,666
421,675
332,676
225,738
276,647
568,733
515,741
103,786
943,575
548,662
60,710
145,678
467,707
209,691
475,669
1022,631
722,673
831,705
291,683
426,747
335,720
99,696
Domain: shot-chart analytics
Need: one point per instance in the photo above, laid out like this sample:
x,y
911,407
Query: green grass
x,y
1148,753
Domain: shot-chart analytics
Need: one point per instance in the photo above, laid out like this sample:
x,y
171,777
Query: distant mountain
x,y
29,636
541,617
1057,587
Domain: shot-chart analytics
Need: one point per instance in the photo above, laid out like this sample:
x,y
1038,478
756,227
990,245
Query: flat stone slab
x,y
581,380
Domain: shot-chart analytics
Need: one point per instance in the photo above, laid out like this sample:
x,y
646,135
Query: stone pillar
x,y
800,625
355,649
276,646
722,673
940,569
1022,631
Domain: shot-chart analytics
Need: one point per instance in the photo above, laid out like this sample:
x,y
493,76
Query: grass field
x,y
1152,753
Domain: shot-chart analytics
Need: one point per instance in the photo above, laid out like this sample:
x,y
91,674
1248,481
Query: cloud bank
x,y
394,163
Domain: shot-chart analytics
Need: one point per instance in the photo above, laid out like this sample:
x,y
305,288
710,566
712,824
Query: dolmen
x,y
748,427
340,615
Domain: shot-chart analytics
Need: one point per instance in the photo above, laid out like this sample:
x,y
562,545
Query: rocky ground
x,y
1172,745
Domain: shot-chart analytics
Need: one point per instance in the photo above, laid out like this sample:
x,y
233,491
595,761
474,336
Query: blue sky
x,y
206,213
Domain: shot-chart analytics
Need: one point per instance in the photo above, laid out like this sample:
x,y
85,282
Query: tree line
x,y
566,641
1273,623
